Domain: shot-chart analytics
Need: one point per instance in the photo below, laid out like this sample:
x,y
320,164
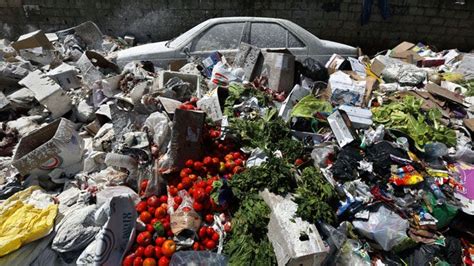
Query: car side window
x,y
294,42
268,35
220,37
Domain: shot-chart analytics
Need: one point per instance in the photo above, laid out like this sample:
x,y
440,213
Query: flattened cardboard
x,y
170,105
444,93
186,137
371,83
32,40
279,65
469,124
248,57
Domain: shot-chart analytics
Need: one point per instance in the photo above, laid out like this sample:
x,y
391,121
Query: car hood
x,y
148,51
339,48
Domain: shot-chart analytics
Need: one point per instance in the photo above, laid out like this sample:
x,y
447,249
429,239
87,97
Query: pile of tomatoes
x,y
202,181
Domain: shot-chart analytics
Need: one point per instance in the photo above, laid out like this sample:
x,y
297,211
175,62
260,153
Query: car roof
x,y
231,19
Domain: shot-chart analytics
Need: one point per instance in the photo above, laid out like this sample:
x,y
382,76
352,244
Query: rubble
x,y
259,159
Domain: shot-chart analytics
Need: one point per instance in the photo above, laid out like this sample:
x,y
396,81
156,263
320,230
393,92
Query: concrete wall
x,y
438,22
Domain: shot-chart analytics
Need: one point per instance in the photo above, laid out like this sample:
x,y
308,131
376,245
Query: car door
x,y
271,35
223,37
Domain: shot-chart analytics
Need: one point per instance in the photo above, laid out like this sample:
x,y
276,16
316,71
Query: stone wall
x,y
441,23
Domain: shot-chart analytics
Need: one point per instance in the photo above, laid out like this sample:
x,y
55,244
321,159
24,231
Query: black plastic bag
x,y
314,70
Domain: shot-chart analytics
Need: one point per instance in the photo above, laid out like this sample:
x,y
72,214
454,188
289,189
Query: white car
x,y
225,34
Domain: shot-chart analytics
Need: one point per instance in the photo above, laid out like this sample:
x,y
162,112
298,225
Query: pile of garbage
x,y
254,160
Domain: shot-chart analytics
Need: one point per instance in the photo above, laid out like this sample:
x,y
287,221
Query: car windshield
x,y
183,38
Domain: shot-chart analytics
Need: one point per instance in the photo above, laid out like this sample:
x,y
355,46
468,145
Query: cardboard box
x,y
88,32
336,62
32,40
342,128
210,62
186,137
377,67
430,62
164,76
249,58
359,117
53,146
90,62
212,103
285,230
48,93
279,65
436,90
402,47
66,76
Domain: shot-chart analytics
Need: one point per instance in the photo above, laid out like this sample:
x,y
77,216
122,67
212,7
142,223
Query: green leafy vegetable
x,y
274,174
249,244
407,117
313,196
309,105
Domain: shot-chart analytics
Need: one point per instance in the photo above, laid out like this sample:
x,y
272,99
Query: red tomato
x,y
158,252
198,166
239,162
199,194
164,261
159,241
166,225
202,232
151,210
153,201
178,200
210,231
187,182
173,191
138,261
209,218
128,261
201,184
164,199
139,251
144,238
193,177
215,237
141,206
196,246
229,165
143,185
145,217
149,262
208,190
180,186
198,206
216,161
236,155
150,228
299,162
227,227
189,163
207,161
149,251
211,244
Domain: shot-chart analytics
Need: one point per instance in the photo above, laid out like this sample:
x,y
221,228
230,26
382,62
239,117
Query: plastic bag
x,y
322,153
77,229
198,258
26,216
314,70
384,226
158,126
185,217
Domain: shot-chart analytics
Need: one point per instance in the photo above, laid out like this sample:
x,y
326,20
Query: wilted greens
x,y
407,117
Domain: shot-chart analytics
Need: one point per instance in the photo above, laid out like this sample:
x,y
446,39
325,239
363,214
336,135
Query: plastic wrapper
x,y
321,154
406,75
384,226
185,217
198,258
24,217
158,126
